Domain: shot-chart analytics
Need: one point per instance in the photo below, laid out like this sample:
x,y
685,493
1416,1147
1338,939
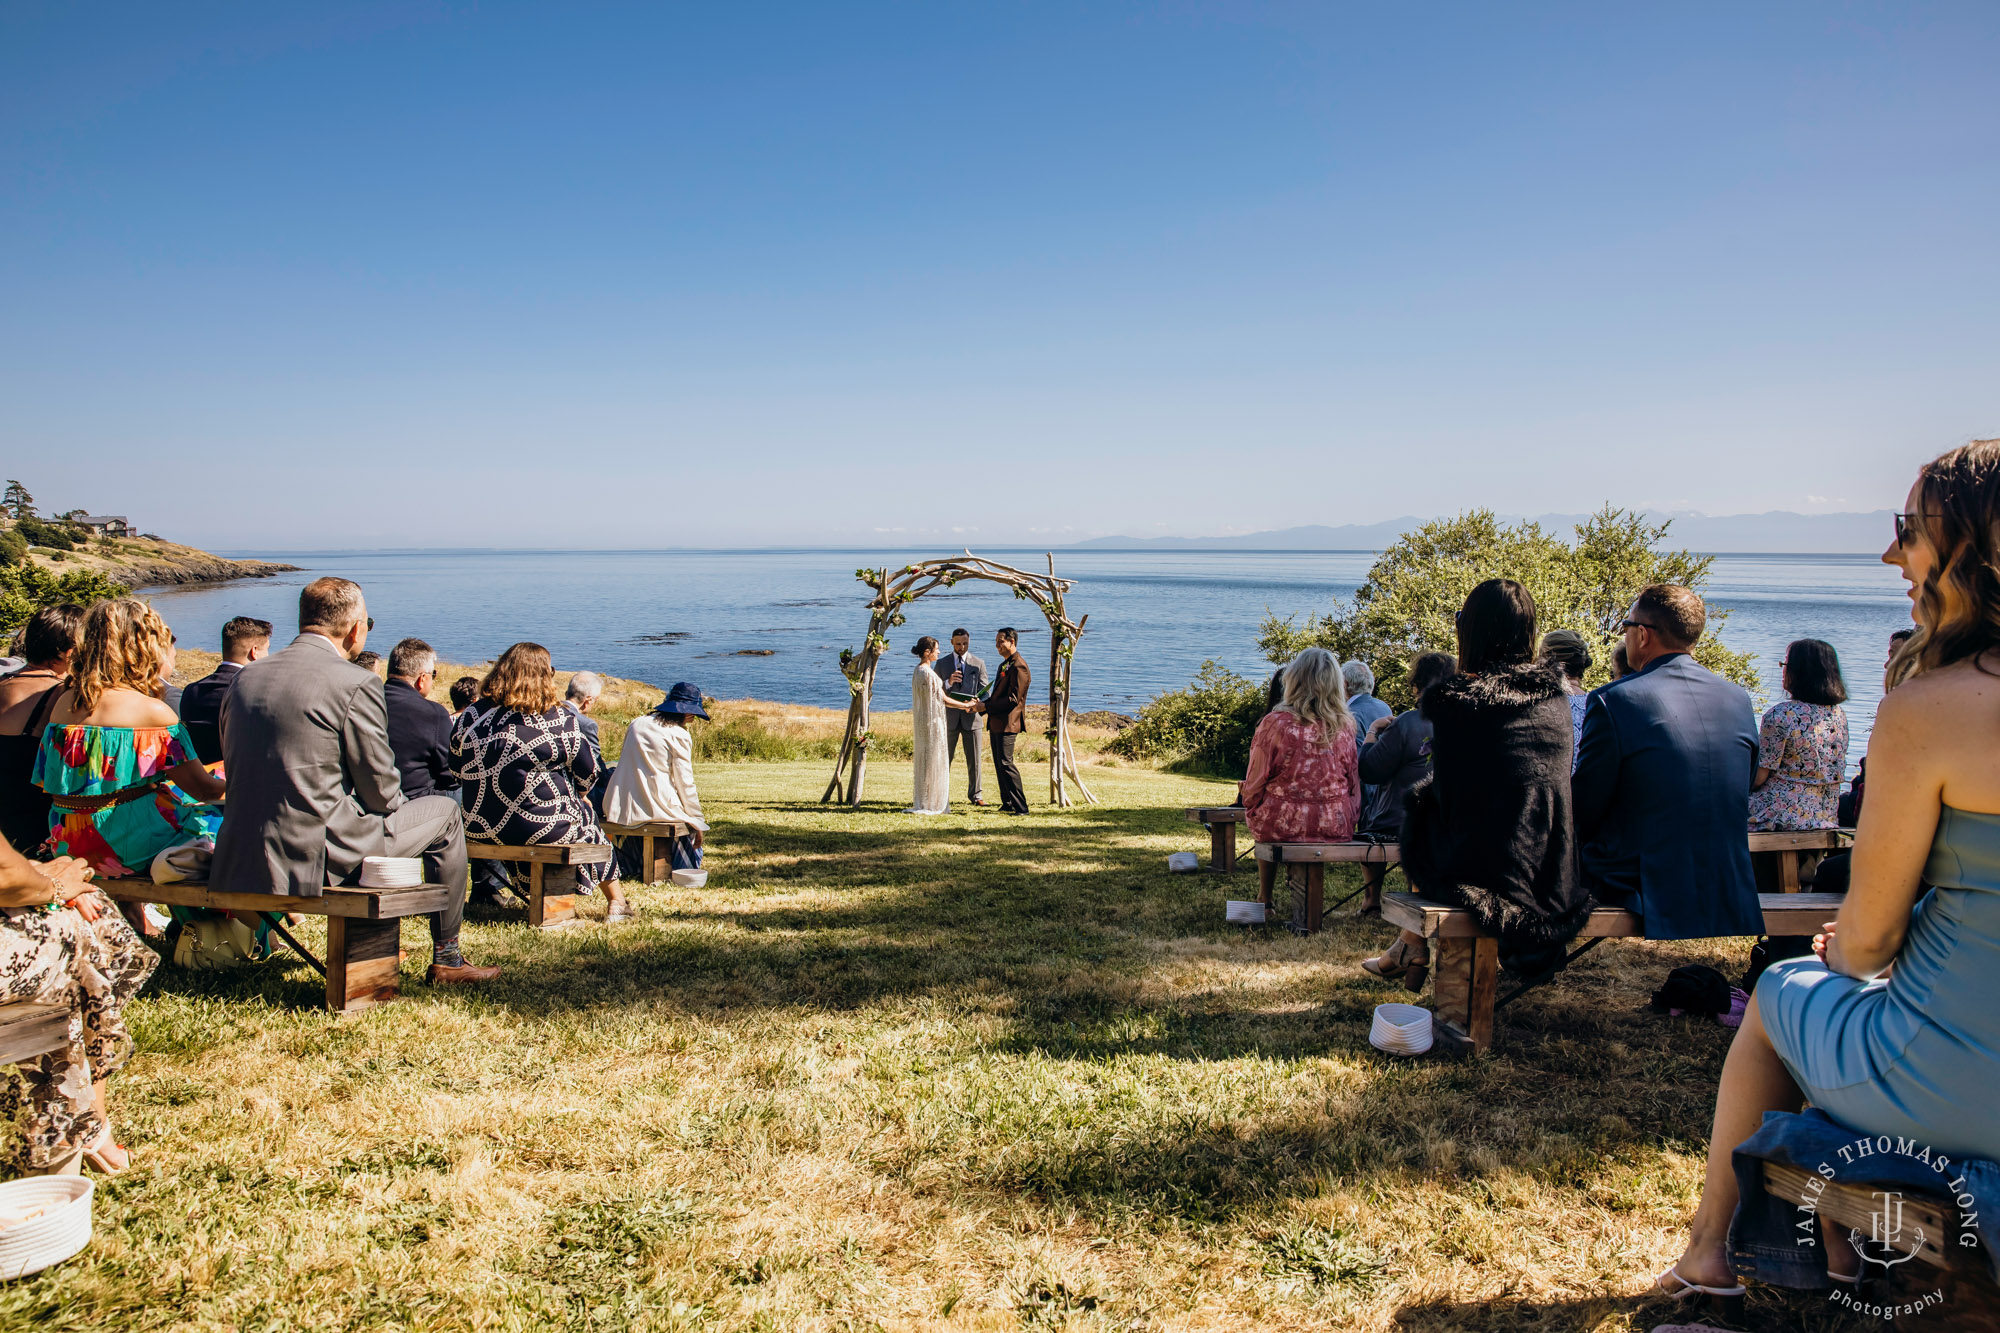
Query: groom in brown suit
x,y
1005,708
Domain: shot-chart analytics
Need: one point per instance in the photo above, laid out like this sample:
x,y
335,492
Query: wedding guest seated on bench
x,y
119,768
244,640
1662,781
61,943
313,782
1490,831
654,780
1565,650
419,726
1802,745
527,767
49,642
1304,784
1910,1056
1395,757
463,691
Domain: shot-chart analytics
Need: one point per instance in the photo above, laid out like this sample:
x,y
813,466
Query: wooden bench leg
x,y
1222,848
657,854
1315,896
1788,872
1267,879
1465,973
551,896
361,963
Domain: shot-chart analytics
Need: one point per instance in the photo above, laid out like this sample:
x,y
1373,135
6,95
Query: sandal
x,y
1401,961
1688,1288
97,1155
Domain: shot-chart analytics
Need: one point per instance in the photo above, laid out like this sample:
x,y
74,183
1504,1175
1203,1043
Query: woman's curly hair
x,y
523,679
125,647
1958,605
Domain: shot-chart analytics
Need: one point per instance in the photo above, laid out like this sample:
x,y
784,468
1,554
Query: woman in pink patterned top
x,y
1304,783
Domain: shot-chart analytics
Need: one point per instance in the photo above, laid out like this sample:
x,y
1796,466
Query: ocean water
x,y
771,624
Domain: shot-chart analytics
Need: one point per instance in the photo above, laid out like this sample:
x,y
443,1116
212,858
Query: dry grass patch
x,y
966,1072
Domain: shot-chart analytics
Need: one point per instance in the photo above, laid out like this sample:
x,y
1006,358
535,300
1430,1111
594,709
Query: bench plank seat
x,y
1465,962
30,1030
656,840
551,875
363,927
1221,821
1856,1207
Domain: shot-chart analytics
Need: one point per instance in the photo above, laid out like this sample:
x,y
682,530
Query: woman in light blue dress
x,y
1894,1026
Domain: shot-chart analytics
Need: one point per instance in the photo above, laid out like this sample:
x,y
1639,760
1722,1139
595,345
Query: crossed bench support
x,y
362,927
551,875
656,846
1465,962
1304,865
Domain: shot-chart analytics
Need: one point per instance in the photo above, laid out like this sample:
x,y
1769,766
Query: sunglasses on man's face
x,y
1638,624
371,622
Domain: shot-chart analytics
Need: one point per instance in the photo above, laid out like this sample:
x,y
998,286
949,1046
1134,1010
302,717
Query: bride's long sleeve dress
x,y
927,709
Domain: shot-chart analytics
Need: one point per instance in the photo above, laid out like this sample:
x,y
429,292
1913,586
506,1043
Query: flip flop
x,y
1688,1288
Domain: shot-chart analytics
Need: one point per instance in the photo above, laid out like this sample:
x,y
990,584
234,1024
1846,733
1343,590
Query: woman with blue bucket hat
x,y
654,780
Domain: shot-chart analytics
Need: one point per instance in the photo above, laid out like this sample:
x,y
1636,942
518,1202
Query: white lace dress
x,y
927,710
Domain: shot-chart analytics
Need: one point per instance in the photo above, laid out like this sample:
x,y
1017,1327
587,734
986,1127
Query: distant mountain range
x,y
1778,532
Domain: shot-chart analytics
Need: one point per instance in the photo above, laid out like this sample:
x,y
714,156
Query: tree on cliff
x,y
17,501
1413,592
26,588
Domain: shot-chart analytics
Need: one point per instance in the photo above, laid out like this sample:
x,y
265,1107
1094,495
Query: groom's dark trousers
x,y
1006,709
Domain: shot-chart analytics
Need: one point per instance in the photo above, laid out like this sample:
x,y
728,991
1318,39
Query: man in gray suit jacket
x,y
958,724
313,782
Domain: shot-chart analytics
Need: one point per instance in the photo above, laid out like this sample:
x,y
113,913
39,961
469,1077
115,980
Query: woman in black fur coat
x,y
1490,831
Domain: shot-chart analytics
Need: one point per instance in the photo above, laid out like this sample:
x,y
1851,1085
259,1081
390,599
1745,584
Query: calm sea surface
x,y
663,616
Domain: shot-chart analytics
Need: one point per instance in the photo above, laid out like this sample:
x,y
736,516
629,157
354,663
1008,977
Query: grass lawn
x,y
968,1072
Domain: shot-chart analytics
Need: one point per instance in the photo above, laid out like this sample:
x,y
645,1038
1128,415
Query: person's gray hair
x,y
411,658
1357,677
584,685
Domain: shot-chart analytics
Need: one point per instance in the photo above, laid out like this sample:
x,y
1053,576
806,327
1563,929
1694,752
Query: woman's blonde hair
x,y
125,646
1958,605
522,679
1316,695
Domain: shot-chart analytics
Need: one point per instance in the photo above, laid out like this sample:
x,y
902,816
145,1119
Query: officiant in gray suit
x,y
964,675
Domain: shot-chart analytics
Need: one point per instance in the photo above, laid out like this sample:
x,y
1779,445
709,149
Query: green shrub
x,y
745,738
25,589
55,536
1206,727
13,547
1415,588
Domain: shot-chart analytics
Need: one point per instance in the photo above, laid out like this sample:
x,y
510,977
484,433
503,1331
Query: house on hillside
x,y
105,525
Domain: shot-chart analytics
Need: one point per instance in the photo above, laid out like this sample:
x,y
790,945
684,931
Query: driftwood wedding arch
x,y
890,594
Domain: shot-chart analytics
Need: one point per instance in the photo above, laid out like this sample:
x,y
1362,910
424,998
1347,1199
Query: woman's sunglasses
x,y
1906,527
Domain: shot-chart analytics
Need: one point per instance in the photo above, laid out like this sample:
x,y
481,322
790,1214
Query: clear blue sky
x,y
431,274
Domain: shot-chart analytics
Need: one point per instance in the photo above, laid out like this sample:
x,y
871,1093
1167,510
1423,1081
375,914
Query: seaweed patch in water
x,y
673,636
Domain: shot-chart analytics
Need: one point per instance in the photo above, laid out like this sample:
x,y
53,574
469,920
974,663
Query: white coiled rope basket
x,y
61,1231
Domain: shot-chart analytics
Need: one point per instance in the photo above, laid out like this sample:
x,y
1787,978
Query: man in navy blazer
x,y
1661,792
244,640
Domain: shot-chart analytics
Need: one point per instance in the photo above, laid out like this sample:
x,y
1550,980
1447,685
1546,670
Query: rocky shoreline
x,y
142,562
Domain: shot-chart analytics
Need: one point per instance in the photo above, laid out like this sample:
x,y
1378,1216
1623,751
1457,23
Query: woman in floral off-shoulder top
x,y
1304,784
1802,746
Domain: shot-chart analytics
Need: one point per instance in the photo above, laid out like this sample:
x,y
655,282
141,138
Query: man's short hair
x,y
329,603
584,685
244,632
1009,635
52,631
464,690
411,658
1674,612
961,630
1357,677
368,660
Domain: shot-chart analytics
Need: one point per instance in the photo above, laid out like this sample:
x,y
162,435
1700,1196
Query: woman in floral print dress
x,y
1304,783
1802,745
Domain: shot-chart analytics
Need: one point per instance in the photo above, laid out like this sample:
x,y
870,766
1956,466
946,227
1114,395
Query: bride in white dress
x,y
928,702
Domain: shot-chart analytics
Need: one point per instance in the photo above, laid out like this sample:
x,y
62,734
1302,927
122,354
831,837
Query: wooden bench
x,y
551,875
1931,1222
1465,963
1305,863
363,927
1221,821
1791,849
31,1030
655,846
